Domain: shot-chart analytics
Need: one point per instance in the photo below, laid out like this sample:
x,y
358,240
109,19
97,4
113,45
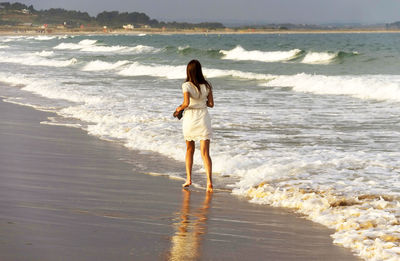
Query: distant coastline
x,y
29,31
20,19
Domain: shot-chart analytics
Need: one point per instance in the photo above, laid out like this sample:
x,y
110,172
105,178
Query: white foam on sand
x,y
14,80
367,224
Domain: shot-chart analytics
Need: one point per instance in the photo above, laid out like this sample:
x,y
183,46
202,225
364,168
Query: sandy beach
x,y
69,196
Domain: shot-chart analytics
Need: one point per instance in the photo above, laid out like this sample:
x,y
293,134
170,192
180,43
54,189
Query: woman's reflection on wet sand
x,y
189,229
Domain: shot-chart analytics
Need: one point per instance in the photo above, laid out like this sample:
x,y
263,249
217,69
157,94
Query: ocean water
x,y
308,122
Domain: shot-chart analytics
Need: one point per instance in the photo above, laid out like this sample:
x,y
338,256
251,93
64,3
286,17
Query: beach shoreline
x,y
69,195
55,32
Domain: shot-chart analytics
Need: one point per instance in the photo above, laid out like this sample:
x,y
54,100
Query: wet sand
x,y
65,195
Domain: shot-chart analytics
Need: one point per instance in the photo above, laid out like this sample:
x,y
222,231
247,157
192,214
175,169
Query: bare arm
x,y
186,101
210,99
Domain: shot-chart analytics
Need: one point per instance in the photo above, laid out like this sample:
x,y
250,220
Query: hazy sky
x,y
260,11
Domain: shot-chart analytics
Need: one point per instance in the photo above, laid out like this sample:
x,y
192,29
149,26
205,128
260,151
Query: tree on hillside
x,y
105,17
59,16
114,18
13,6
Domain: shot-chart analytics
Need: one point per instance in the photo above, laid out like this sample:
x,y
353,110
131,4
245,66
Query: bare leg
x,y
205,154
189,163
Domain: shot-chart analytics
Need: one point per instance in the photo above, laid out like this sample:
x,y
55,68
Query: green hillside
x,y
20,14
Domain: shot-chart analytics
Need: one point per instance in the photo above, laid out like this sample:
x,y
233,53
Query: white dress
x,y
196,123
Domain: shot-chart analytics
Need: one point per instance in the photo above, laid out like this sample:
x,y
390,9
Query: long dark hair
x,y
194,74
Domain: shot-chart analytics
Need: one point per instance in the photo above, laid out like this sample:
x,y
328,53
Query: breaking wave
x,y
75,46
50,88
44,53
101,65
88,45
12,39
372,87
178,72
240,54
190,51
38,59
325,57
42,38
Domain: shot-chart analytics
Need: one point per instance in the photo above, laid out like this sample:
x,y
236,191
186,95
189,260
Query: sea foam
x,y
14,80
167,71
12,39
178,72
75,46
373,87
101,65
117,48
88,45
42,38
51,89
37,59
44,53
367,226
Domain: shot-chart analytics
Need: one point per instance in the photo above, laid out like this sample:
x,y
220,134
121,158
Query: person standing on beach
x,y
197,96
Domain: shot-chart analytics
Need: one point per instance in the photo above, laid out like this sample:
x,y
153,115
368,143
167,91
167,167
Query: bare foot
x,y
187,184
209,188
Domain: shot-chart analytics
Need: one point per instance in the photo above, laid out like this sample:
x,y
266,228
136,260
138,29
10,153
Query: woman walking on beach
x,y
197,96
